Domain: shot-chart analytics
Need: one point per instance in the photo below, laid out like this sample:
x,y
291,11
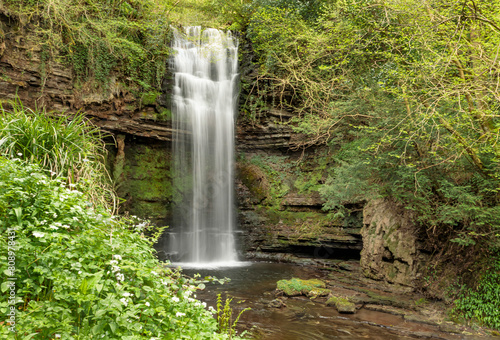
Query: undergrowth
x,y
482,302
81,273
67,146
70,268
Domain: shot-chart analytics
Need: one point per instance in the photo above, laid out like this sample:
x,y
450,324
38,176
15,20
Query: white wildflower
x,y
120,277
38,234
79,272
19,154
54,227
118,257
179,314
126,294
154,273
124,301
113,262
175,299
204,304
147,304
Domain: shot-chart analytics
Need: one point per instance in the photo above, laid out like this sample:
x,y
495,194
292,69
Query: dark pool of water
x,y
252,285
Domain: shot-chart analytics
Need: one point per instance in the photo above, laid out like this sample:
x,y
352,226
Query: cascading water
x,y
205,66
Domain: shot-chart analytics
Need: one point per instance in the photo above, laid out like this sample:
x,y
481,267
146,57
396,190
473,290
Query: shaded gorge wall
x,y
141,168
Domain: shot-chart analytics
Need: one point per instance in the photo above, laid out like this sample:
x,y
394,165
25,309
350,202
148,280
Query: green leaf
x,y
19,214
113,326
5,286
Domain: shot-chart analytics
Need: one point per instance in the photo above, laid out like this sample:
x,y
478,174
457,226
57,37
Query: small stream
x,y
253,284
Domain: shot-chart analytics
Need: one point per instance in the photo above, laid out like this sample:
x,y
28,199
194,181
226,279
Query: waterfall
x,y
205,66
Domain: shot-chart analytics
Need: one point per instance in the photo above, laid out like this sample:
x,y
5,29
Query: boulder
x,y
342,304
389,243
295,287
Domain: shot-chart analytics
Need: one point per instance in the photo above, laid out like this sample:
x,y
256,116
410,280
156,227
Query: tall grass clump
x,y
73,271
65,145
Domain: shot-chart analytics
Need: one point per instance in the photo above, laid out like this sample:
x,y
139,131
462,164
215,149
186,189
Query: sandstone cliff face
x,y
390,249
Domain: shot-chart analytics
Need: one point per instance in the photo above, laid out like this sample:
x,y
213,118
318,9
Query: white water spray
x,y
205,66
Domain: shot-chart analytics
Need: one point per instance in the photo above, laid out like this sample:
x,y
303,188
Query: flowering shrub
x,y
81,273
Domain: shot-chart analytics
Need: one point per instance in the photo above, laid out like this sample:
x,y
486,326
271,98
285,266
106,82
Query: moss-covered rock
x,y
317,292
145,181
295,287
342,304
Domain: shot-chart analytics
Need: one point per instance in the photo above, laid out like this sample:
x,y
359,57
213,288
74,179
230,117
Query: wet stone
x,y
449,327
419,319
277,303
342,304
317,292
296,287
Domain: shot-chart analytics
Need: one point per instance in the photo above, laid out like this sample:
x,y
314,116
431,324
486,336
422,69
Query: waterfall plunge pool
x,y
253,284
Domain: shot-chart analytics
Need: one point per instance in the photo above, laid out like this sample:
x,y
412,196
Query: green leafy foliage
x,y
225,321
482,304
82,273
67,146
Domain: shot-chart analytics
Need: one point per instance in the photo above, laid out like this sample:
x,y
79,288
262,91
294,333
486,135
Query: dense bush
x,y
82,273
66,145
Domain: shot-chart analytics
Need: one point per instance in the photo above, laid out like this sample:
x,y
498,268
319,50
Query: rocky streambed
x,y
333,301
